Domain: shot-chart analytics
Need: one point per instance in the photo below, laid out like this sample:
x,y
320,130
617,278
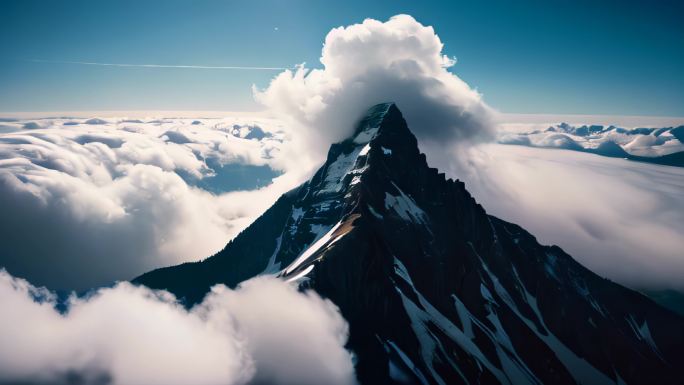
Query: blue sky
x,y
565,57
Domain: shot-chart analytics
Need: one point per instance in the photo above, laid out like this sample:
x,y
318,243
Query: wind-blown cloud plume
x,y
265,331
364,64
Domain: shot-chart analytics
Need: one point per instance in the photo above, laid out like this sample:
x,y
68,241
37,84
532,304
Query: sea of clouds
x,y
89,201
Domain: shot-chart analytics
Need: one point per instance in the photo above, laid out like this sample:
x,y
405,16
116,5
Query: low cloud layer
x,y
86,202
624,220
265,331
399,60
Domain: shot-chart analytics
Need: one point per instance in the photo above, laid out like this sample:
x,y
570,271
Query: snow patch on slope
x,y
273,267
405,207
643,333
389,345
337,170
419,320
582,371
344,165
316,246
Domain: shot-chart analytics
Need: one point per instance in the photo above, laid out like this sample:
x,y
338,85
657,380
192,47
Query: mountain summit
x,y
435,290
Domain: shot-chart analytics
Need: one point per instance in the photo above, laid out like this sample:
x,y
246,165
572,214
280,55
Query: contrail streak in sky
x,y
160,65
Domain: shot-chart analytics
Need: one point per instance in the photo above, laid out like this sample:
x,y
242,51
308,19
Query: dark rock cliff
x,y
435,290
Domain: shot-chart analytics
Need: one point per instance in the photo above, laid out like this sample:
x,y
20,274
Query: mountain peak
x,y
377,119
435,290
381,139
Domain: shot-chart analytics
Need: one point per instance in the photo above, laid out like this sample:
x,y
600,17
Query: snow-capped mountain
x,y
663,145
435,290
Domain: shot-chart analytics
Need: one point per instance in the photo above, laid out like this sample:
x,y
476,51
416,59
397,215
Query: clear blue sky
x,y
575,57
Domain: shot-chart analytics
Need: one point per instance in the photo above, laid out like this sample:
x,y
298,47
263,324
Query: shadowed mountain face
x,y
435,290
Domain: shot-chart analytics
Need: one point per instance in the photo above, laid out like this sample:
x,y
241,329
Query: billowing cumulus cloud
x,y
86,202
265,331
364,64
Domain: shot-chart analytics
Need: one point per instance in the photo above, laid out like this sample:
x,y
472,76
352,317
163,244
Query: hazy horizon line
x,y
504,117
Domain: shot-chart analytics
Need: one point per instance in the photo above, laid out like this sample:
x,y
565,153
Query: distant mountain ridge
x,y
435,290
664,146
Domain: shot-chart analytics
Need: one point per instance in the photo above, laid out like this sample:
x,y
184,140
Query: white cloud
x,y
364,64
265,331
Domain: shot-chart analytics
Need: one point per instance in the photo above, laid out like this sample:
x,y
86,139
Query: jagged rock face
x,y
435,290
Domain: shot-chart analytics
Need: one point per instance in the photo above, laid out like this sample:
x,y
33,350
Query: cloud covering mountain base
x,y
264,331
